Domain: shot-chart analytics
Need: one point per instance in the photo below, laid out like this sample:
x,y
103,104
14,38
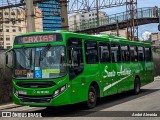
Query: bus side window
x,y
104,52
91,52
125,53
140,54
148,54
133,53
75,57
115,53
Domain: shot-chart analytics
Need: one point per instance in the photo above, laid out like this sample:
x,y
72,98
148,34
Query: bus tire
x,y
136,86
92,97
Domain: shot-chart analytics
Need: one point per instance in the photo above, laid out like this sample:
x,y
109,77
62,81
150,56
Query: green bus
x,y
59,68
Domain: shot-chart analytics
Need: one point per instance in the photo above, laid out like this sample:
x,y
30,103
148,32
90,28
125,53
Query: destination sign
x,y
37,38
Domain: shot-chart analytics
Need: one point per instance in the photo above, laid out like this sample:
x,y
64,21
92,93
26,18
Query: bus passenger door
x,y
76,67
148,65
105,67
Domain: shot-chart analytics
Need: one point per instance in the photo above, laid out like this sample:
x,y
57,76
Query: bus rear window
x,y
38,38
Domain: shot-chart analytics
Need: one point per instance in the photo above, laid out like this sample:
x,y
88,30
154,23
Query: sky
x,y
153,28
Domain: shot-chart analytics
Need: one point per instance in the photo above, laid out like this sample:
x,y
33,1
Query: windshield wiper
x,y
44,51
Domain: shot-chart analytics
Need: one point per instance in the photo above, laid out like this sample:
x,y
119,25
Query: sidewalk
x,y
157,78
8,106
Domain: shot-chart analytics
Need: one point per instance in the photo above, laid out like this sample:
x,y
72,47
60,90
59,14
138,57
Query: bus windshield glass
x,y
39,63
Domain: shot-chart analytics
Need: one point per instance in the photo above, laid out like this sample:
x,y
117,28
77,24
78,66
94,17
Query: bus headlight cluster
x,y
15,91
60,90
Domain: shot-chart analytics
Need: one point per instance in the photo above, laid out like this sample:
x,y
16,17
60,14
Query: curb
x,y
9,106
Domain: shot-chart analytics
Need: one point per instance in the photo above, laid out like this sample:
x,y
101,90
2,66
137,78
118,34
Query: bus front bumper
x,y
43,101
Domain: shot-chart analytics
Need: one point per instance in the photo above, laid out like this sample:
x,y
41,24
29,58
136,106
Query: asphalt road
x,y
121,106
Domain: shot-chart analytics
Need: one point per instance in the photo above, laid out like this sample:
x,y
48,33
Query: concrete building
x,y
155,37
122,33
86,20
14,24
51,15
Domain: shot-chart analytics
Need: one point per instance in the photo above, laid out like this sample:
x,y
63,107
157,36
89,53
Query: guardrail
x,y
147,12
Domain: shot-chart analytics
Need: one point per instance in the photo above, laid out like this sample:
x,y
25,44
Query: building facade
x,y
121,33
13,23
155,37
51,15
86,20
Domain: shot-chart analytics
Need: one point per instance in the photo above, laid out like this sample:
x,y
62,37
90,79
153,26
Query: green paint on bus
x,y
68,68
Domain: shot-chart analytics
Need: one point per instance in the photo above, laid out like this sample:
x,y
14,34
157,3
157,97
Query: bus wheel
x,y
136,86
92,97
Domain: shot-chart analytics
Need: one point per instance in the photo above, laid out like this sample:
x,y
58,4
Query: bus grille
x,y
35,84
35,99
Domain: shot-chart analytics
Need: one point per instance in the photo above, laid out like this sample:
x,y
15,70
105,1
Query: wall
x,y
5,81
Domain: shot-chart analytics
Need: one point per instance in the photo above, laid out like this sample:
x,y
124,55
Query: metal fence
x,y
147,12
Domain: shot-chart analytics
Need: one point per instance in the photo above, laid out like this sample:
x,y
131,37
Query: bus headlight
x,y
60,90
15,91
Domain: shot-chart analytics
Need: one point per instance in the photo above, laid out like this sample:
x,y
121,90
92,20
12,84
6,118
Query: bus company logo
x,y
34,91
109,74
124,71
114,73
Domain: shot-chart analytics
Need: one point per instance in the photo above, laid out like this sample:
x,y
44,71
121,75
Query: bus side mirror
x,y
9,61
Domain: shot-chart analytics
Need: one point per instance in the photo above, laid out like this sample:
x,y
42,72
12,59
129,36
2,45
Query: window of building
x,y
19,21
20,29
125,53
14,30
91,52
7,30
1,38
140,53
1,30
104,52
6,20
6,13
7,38
8,47
12,13
18,12
133,53
148,54
7,43
115,53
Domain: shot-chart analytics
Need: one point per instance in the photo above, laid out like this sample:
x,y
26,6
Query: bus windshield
x,y
40,62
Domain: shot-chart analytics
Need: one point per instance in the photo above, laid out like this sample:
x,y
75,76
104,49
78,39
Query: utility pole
x,y
117,26
97,13
159,19
64,14
30,16
131,15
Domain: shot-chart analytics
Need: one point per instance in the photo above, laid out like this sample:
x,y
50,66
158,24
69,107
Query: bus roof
x,y
101,37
